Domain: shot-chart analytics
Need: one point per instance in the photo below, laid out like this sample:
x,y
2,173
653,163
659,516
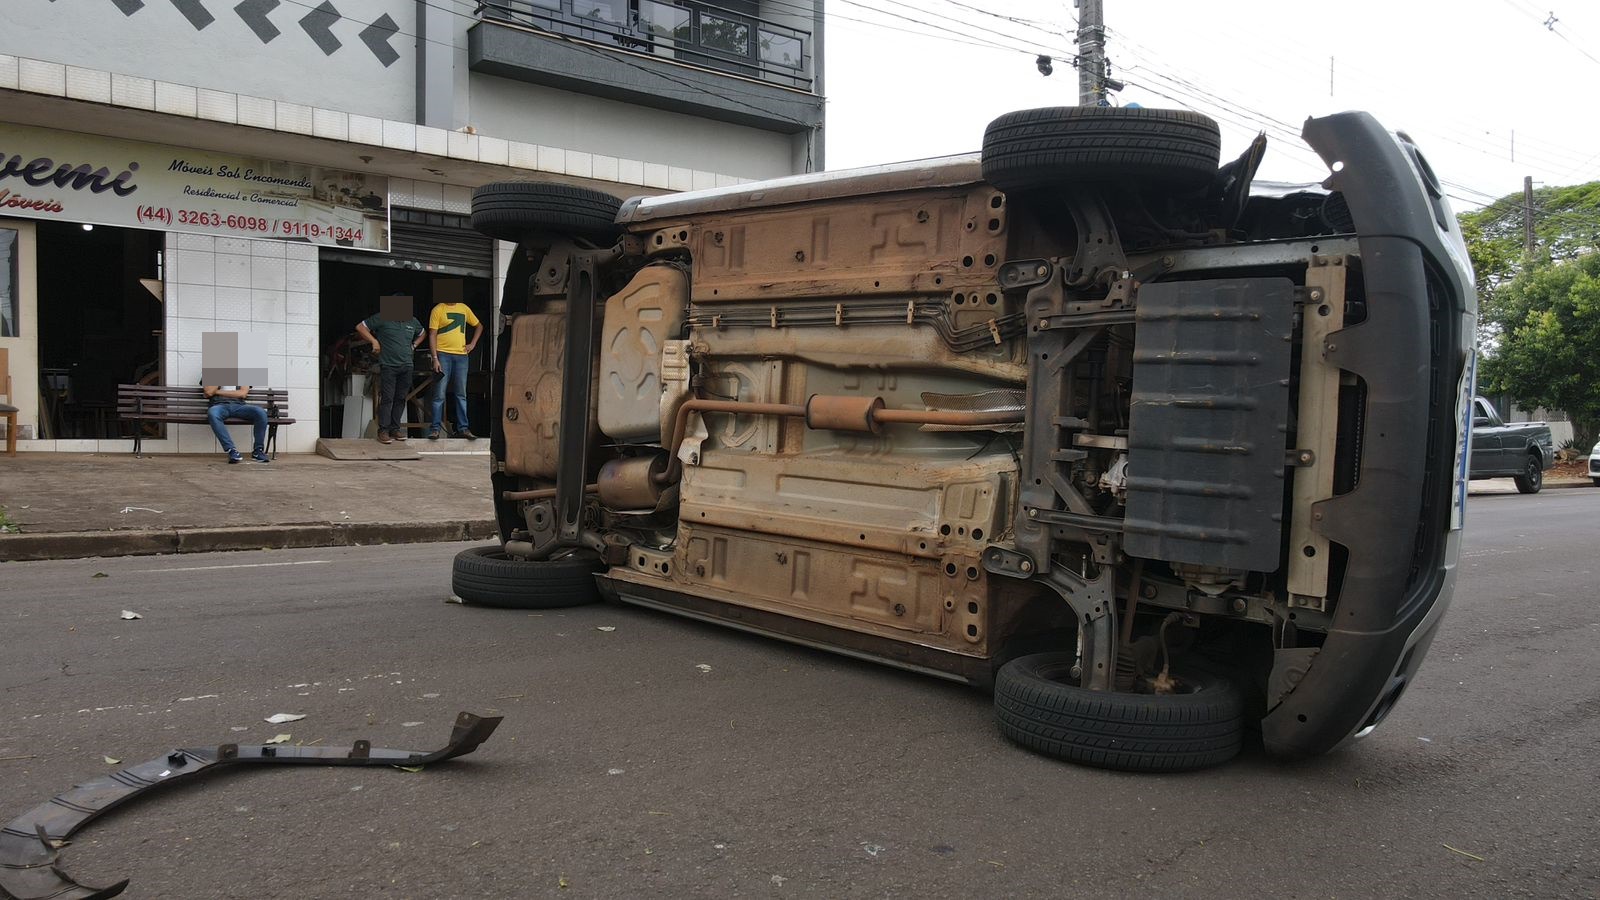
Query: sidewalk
x,y
70,505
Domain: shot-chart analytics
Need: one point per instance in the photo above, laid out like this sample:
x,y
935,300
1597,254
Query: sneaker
x,y
233,457
433,434
465,434
383,438
259,456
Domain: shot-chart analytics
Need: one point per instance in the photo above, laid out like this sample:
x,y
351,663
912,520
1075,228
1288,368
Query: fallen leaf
x,y
409,768
561,881
703,668
605,628
240,728
130,614
409,724
99,575
280,718
110,761
279,739
452,599
615,771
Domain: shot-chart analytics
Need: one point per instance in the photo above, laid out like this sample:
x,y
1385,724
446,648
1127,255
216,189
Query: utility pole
x,y
1527,214
1091,53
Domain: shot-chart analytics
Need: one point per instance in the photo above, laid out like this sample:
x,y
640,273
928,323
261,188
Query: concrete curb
x,y
82,544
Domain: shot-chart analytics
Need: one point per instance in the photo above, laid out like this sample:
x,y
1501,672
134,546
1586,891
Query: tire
x,y
1595,480
487,576
1066,145
1532,478
1037,707
511,210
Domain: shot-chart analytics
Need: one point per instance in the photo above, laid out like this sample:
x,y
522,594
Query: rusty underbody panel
x,y
940,412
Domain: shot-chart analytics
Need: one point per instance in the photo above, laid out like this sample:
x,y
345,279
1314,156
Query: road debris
x,y
30,861
779,880
409,724
99,575
278,739
605,628
873,849
129,509
704,668
615,771
1464,853
130,614
280,718
112,761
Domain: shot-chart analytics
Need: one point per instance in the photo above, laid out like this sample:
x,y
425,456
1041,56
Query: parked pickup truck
x,y
1522,450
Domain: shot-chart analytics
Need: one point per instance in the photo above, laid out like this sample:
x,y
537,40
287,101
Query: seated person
x,y
227,402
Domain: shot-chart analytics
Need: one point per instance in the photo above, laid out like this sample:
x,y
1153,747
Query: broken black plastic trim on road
x,y
31,844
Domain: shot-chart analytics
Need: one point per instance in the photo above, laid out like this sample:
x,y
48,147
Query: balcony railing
x,y
699,34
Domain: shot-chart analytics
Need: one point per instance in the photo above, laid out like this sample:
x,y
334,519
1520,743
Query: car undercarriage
x,y
1150,450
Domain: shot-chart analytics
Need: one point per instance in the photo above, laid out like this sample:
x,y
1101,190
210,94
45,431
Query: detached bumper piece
x,y
30,846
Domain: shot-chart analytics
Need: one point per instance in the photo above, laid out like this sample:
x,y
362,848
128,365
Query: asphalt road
x,y
624,769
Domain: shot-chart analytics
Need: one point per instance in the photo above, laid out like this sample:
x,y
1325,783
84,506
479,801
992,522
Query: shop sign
x,y
82,178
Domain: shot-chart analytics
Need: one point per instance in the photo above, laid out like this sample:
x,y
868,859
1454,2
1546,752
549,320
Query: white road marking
x,y
302,562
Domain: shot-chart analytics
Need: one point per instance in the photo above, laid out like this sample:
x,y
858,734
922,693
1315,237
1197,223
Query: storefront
x,y
433,256
120,255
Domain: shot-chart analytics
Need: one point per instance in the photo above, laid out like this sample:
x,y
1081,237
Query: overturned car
x,y
1153,452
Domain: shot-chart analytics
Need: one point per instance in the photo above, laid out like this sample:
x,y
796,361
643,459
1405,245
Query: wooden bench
x,y
188,405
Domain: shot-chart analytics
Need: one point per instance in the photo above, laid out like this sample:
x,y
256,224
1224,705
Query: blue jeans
x,y
453,377
255,415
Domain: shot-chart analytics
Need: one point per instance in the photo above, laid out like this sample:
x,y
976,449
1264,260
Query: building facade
x,y
172,168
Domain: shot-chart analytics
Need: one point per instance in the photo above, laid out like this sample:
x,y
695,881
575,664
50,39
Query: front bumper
x,y
1400,523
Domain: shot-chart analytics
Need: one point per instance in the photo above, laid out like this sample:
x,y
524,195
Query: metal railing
x,y
699,34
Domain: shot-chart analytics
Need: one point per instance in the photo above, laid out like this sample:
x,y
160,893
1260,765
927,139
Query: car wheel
x,y
488,576
511,210
1532,477
1065,145
1596,481
1038,705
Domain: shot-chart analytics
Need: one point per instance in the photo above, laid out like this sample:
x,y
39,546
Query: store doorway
x,y
99,324
349,294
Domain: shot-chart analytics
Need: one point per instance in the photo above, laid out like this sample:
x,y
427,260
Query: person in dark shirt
x,y
394,335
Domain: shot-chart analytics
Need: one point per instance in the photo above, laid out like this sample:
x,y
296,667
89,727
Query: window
x,y
725,35
780,49
613,11
10,288
664,21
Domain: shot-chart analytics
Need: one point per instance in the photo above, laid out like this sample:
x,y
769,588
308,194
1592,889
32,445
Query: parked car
x,y
1152,452
1522,450
1594,464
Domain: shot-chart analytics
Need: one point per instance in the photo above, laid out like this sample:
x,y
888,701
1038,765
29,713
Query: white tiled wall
x,y
265,288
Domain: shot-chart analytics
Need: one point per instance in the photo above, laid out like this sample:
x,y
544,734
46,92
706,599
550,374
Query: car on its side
x,y
1154,452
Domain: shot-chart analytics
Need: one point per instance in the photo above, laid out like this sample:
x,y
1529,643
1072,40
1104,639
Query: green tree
x,y
1547,352
1566,226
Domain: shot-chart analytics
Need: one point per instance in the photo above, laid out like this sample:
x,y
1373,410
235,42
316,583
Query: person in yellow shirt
x,y
448,340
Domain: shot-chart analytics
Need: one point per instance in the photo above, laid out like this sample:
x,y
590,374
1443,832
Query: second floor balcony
x,y
718,61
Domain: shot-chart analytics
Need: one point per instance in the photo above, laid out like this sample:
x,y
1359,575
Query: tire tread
x,y
1132,732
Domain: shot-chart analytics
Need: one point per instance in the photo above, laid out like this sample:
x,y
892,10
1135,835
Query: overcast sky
x,y
925,77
